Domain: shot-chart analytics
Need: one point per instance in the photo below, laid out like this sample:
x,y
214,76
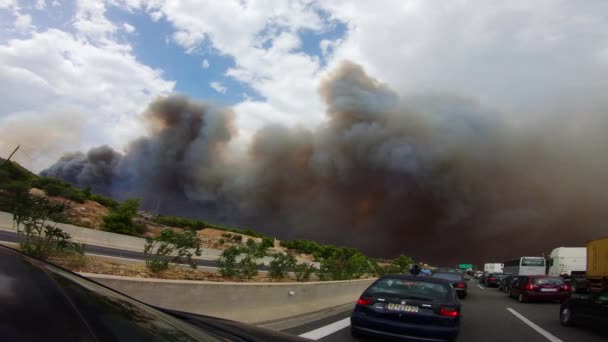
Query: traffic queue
x,y
576,277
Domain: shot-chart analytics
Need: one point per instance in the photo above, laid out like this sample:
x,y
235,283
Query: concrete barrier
x,y
245,302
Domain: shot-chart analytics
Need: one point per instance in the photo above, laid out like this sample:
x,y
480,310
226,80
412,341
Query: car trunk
x,y
407,310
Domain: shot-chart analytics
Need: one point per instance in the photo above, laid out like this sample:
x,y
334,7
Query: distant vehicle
x,y
457,281
526,266
585,309
493,268
539,287
509,285
493,279
504,282
565,260
482,277
408,307
478,274
597,265
74,308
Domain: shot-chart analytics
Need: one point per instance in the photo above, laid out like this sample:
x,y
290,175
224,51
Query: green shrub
x,y
304,271
250,242
227,262
171,247
120,219
107,202
140,228
41,239
280,265
226,235
267,242
237,238
222,241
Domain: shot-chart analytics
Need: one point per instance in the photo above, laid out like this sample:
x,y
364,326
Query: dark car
x,y
589,309
493,279
408,307
510,283
457,281
540,287
41,302
504,282
482,277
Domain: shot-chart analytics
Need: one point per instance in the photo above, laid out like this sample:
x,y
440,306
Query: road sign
x,y
465,266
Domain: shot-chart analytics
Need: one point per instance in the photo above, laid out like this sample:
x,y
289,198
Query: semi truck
x,y
597,264
570,261
493,267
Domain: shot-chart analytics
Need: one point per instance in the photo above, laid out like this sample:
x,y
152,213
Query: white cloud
x,y
515,55
156,15
205,64
55,3
263,39
54,75
90,21
40,4
128,28
8,3
23,22
217,86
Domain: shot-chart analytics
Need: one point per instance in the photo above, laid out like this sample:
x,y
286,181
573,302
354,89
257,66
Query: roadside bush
x,y
280,265
227,262
222,241
140,227
304,271
342,266
120,219
41,239
226,235
250,242
171,247
267,242
237,238
180,222
104,200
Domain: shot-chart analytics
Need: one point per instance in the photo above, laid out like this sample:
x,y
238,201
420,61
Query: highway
x,y
488,315
112,252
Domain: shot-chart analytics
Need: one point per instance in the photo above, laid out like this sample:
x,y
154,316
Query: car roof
x,y
416,278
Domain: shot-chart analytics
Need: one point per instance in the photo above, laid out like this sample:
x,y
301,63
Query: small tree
x,y
227,262
120,218
30,216
403,262
280,265
304,271
171,247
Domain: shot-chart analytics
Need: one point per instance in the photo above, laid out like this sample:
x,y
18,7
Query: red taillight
x,y
364,301
492,279
460,285
449,312
528,287
567,287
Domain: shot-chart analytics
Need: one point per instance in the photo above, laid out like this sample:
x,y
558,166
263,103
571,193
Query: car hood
x,y
40,301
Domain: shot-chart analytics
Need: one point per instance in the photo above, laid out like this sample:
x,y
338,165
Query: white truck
x,y
493,267
565,260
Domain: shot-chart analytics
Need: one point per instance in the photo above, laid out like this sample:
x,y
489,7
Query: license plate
x,y
548,290
401,307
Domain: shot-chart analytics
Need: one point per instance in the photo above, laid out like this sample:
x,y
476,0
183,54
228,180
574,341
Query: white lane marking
x,y
538,329
327,330
481,287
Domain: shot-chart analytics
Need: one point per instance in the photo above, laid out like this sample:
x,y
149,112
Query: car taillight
x,y
567,287
492,279
460,285
528,287
449,312
364,301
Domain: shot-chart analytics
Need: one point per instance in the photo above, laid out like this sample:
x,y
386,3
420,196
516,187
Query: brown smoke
x,y
434,176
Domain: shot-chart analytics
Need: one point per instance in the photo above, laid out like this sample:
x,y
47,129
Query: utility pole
x,y
9,157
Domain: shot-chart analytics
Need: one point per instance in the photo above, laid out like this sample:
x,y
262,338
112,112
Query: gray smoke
x,y
435,176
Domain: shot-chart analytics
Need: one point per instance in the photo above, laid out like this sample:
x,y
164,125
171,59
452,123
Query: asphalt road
x,y
485,317
112,252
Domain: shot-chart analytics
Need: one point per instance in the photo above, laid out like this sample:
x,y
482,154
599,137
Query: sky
x,y
80,74
83,71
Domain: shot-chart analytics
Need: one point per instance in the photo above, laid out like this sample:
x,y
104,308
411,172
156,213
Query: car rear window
x,y
412,289
548,281
448,276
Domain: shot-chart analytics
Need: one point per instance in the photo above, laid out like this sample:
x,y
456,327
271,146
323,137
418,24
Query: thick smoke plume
x,y
437,177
